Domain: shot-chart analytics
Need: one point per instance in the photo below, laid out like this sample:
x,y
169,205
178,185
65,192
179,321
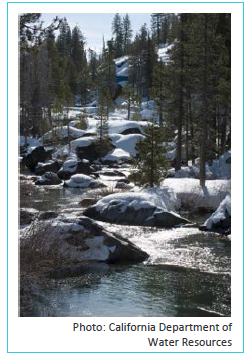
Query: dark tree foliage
x,y
151,163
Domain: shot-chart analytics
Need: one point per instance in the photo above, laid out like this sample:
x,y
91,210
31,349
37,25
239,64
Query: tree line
x,y
191,88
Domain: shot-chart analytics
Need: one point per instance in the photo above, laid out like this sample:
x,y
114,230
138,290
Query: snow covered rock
x,y
220,220
82,239
116,156
82,181
62,134
50,166
128,142
125,148
49,178
34,156
72,166
148,207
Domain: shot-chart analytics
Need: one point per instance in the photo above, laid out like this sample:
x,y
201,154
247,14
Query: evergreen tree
x,y
127,34
117,31
104,104
106,70
93,64
158,90
157,20
64,38
32,35
142,60
150,165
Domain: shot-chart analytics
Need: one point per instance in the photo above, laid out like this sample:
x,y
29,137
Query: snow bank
x,y
191,195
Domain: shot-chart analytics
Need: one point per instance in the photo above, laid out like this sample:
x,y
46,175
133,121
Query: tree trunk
x,y
204,125
181,98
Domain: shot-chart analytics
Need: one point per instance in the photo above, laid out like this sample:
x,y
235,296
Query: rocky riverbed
x,y
55,281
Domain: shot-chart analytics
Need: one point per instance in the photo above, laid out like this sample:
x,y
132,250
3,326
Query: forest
x,y
191,88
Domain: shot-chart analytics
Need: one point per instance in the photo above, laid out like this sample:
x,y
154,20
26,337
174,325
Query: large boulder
x,y
220,220
143,208
91,149
72,166
82,239
49,178
36,155
62,135
50,166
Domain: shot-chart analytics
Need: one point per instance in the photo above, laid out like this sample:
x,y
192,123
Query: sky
x,y
95,26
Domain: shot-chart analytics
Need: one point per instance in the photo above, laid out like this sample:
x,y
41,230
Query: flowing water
x,y
188,272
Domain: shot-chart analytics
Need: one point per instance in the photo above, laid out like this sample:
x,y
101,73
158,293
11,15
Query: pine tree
x,y
106,71
31,36
64,38
142,60
127,34
102,129
150,165
117,31
158,90
157,20
104,104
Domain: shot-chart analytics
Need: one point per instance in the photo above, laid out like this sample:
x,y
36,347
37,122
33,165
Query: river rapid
x,y
188,272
